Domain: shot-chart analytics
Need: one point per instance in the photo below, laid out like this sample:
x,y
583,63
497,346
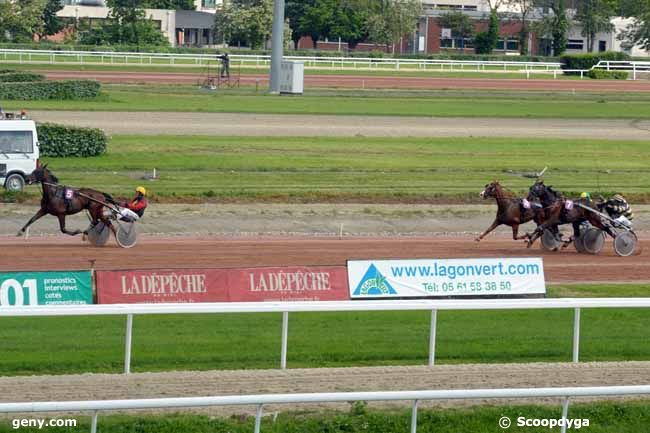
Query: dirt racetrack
x,y
187,252
212,383
369,82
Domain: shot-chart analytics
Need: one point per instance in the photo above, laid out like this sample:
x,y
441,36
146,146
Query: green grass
x,y
355,168
610,417
247,341
514,104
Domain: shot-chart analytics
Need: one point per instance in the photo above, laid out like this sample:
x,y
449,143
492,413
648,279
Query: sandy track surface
x,y
212,383
184,252
368,82
232,124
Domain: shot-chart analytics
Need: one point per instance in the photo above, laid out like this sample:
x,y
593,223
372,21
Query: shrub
x,y
72,89
600,74
61,140
20,77
586,61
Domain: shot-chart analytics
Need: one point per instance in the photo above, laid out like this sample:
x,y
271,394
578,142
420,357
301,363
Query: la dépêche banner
x,y
223,285
45,288
448,277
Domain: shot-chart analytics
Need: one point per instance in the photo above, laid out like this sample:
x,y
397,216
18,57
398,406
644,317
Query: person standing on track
x,y
225,65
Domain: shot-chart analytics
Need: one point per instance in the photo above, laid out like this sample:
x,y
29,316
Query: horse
x,y
557,210
60,201
511,210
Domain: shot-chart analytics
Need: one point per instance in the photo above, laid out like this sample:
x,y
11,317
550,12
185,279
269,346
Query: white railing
x,y
333,306
341,397
621,65
263,61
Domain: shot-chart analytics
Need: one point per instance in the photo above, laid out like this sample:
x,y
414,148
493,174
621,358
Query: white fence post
x,y
93,423
285,332
565,413
258,418
414,417
576,334
127,344
432,338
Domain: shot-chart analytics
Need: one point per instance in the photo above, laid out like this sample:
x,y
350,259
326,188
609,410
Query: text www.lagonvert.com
x,y
41,423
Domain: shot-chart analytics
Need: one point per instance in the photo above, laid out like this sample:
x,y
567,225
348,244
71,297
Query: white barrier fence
x,y
341,397
129,310
263,61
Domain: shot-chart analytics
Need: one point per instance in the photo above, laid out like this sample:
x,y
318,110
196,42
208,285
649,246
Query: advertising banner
x,y
288,284
223,285
45,288
441,278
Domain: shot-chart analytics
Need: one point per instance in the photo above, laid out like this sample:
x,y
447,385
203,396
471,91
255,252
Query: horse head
x,y
41,174
491,190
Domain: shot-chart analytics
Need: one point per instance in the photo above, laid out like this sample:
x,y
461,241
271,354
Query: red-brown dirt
x,y
369,82
184,252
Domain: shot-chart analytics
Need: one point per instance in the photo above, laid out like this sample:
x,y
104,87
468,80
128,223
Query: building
x,y
181,27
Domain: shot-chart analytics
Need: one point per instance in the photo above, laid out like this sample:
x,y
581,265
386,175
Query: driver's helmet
x,y
585,195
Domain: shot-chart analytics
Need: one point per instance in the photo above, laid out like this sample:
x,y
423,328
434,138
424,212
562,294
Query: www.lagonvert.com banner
x,y
448,277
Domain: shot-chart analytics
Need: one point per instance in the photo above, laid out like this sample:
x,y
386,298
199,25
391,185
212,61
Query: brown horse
x,y
55,202
557,211
511,210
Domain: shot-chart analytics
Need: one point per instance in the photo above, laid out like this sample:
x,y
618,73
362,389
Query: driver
x,y
617,207
136,206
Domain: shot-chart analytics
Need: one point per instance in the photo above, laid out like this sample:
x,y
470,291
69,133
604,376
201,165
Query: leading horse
x,y
512,211
59,201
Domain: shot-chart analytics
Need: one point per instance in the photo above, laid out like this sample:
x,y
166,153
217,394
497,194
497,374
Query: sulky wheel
x,y
579,243
550,241
127,235
98,234
593,240
625,244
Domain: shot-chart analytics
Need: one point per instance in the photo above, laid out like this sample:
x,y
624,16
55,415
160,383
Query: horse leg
x,y
63,229
41,212
515,233
494,225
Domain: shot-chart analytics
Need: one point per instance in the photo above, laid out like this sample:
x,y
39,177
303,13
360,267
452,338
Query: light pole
x,y
277,46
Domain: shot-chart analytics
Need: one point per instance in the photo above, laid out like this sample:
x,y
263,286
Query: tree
x,y
554,25
389,20
20,21
170,4
637,33
350,22
524,9
245,22
52,24
461,25
293,11
594,17
317,19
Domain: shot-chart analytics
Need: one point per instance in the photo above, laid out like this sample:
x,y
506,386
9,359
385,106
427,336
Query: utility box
x,y
292,77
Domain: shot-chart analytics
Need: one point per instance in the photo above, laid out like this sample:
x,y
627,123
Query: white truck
x,y
18,150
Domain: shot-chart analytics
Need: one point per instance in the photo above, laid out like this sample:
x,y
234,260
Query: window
x,y
209,4
575,44
16,142
602,46
509,45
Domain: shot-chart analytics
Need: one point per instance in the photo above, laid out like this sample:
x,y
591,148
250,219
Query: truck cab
x,y
18,150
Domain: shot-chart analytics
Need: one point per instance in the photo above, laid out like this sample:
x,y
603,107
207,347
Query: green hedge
x,y
72,89
60,140
586,61
600,74
20,77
